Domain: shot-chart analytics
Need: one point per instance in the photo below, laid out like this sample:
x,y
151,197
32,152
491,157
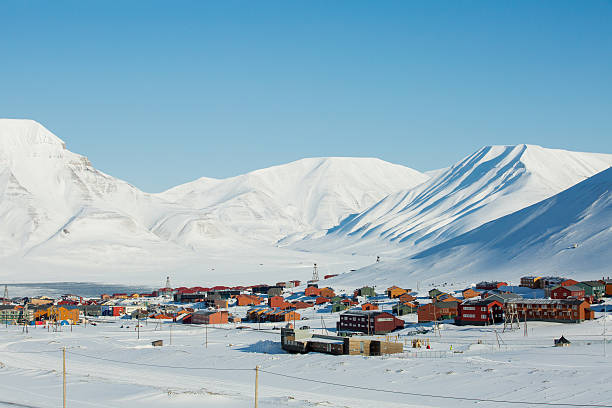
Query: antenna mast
x,y
315,273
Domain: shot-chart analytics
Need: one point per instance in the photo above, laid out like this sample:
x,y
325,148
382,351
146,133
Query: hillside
x,y
492,182
567,234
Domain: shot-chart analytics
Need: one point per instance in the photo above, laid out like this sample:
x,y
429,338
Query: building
x,y
275,291
480,312
608,285
303,341
327,292
564,292
470,293
10,314
312,291
433,293
248,300
549,282
276,301
435,311
57,314
406,298
530,282
395,292
369,306
490,285
369,322
210,317
593,289
404,308
553,310
339,307
330,276
366,291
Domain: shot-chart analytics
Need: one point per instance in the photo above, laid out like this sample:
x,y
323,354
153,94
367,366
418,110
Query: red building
x,y
431,312
369,322
321,300
479,312
276,301
564,292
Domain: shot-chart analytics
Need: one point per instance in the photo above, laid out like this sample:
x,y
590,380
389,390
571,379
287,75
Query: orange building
x,y
248,300
470,293
210,317
369,306
327,292
407,298
395,292
56,314
312,291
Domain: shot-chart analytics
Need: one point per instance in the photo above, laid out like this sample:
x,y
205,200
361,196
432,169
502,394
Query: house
x,y
365,291
549,282
330,276
210,317
608,285
339,307
470,293
276,301
502,297
321,300
564,292
435,311
530,282
490,285
112,310
433,293
395,292
369,306
404,308
553,310
120,295
369,322
327,292
569,282
480,312
445,297
300,305
562,342
248,300
303,341
593,289
406,298
312,291
275,291
105,296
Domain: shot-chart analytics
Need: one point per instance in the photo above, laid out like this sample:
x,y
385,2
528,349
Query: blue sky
x,y
161,93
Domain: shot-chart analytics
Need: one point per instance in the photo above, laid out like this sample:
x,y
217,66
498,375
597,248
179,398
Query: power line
x,y
556,404
160,365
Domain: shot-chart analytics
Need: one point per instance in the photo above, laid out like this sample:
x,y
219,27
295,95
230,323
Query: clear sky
x,y
161,93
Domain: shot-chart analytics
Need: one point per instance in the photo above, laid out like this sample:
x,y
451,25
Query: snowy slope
x,y
568,234
286,202
491,183
56,208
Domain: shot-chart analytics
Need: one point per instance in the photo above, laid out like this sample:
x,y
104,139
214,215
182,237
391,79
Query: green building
x,y
402,309
593,288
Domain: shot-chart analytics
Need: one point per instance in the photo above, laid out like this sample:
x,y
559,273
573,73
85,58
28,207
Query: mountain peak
x,y
16,133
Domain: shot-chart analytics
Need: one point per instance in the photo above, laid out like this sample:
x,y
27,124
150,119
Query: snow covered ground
x,y
109,367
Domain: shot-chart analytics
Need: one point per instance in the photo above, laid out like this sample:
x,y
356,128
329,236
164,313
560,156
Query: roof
x,y
572,288
547,301
363,313
592,283
480,302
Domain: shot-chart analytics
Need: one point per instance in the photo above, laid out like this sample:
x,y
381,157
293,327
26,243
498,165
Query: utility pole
x,y
170,333
64,374
256,383
206,336
138,328
604,332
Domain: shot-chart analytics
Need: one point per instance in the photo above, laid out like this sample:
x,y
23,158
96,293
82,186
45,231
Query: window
x,y
469,315
484,316
468,308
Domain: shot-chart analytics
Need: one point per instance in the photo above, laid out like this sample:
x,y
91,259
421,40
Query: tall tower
x,y
6,297
168,283
315,273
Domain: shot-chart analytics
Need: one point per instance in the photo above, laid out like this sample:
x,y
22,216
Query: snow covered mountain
x,y
493,182
569,234
284,202
54,203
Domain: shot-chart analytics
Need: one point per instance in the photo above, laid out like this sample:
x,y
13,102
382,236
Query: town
x,y
358,315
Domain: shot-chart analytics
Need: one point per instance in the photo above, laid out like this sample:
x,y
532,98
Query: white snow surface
x,y
493,182
63,220
108,366
569,234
